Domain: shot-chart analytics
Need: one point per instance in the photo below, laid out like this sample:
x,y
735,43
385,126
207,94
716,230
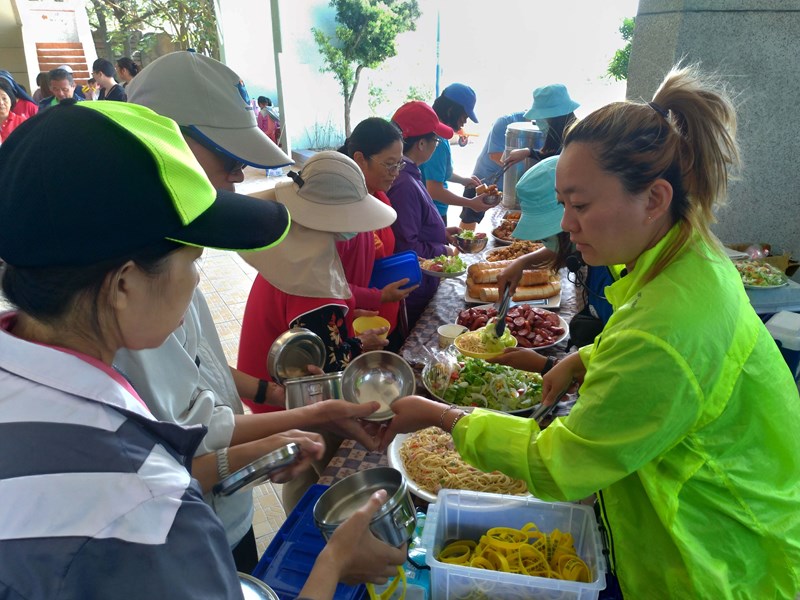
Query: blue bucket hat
x,y
463,95
551,101
536,192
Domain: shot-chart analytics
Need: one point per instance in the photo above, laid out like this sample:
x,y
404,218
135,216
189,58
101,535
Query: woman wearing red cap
x,y
418,226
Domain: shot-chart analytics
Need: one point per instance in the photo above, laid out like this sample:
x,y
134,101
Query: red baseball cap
x,y
417,118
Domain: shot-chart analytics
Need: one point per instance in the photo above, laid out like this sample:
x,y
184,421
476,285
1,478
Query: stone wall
x,y
754,45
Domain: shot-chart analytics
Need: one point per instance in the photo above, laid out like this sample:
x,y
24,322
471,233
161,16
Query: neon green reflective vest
x,y
688,422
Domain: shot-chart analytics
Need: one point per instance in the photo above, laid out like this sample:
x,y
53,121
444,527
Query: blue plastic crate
x,y
290,556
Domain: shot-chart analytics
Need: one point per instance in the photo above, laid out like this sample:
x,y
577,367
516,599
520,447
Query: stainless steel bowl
x,y
394,522
292,352
255,589
471,246
303,391
378,376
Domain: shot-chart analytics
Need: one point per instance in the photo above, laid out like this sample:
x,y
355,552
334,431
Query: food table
x,y
443,308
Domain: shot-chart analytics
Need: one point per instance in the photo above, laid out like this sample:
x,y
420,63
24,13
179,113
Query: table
x,y
443,308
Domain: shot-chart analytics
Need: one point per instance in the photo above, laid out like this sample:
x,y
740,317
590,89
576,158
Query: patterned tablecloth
x,y
443,308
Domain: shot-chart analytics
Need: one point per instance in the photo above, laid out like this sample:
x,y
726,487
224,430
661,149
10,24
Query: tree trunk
x,y
346,116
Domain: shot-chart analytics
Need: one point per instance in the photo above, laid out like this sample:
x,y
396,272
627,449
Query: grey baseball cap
x,y
210,99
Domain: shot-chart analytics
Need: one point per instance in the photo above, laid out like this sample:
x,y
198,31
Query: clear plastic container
x,y
459,514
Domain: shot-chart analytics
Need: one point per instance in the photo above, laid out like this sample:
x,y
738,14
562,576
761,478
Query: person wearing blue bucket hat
x,y
454,106
553,111
541,220
541,213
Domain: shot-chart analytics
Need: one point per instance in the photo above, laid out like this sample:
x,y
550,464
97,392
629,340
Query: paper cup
x,y
448,333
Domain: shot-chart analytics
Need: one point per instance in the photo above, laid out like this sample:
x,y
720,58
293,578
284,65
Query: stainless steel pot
x,y
292,352
303,391
394,522
519,135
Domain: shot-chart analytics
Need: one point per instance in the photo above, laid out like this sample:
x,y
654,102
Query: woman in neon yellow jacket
x,y
688,421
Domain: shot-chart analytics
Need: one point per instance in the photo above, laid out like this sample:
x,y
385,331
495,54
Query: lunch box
x,y
394,268
393,523
287,363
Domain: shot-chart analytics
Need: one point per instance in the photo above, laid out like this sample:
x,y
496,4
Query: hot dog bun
x,y
488,273
488,293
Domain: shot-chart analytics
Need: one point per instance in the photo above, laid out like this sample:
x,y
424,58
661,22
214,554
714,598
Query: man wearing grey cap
x,y
188,380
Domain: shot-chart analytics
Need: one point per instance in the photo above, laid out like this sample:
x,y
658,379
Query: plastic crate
x,y
785,330
288,560
459,514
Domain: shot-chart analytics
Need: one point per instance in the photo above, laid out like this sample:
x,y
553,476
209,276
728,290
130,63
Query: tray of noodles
x,y
429,462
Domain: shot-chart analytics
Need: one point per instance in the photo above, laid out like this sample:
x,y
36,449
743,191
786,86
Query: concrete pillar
x,y
754,45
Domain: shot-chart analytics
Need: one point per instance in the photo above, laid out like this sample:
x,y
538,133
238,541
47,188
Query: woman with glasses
x,y
418,226
376,145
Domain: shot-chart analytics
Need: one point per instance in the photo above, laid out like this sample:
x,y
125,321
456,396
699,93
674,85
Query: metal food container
x,y
258,471
378,376
394,522
292,352
519,135
255,589
303,391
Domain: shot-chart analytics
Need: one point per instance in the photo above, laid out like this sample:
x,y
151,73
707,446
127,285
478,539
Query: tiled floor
x,y
225,280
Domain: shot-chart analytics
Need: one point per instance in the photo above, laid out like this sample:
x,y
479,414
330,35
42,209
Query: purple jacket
x,y
418,227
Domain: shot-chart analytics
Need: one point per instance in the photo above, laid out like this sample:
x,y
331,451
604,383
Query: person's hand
x,y
392,292
470,182
477,203
344,419
312,447
450,235
565,376
511,276
524,359
371,339
411,413
354,555
516,156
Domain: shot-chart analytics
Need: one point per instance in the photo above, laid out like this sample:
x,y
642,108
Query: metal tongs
x,y
502,310
492,179
540,413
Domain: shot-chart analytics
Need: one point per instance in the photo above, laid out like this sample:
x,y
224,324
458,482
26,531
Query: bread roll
x,y
522,293
489,272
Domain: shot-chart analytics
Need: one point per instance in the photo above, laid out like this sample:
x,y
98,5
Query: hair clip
x,y
295,176
659,109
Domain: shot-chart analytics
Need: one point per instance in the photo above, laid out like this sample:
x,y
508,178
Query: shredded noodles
x,y
526,551
432,462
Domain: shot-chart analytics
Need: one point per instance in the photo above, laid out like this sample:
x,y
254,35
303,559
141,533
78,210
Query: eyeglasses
x,y
230,164
394,168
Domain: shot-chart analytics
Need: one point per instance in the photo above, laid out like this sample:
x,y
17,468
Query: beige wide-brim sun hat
x,y
330,194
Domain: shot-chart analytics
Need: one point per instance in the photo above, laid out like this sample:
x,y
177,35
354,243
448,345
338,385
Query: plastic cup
x,y
448,333
362,324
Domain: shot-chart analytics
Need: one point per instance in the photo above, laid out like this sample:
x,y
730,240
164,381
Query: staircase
x,y
54,54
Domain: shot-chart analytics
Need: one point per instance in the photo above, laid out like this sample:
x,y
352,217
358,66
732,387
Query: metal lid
x,y
258,471
292,352
255,589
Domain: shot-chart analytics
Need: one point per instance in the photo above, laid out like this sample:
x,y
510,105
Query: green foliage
x,y
365,36
421,93
127,27
618,67
377,97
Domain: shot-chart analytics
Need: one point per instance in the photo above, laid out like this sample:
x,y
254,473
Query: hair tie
x,y
659,109
295,176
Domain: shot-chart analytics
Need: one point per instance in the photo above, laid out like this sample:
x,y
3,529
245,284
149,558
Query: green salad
x,y
488,385
491,342
444,264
